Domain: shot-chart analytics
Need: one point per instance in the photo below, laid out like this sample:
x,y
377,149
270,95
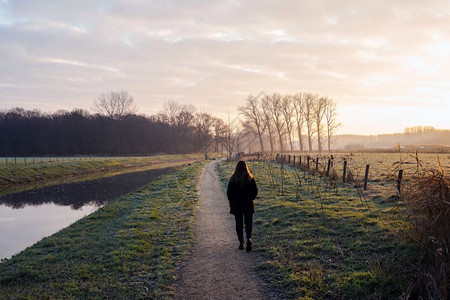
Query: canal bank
x,y
130,248
29,216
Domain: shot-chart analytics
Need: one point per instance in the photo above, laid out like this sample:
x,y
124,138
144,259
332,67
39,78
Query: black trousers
x,y
240,218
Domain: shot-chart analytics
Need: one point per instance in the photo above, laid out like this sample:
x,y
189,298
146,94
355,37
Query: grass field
x,y
128,249
318,242
383,170
381,164
16,178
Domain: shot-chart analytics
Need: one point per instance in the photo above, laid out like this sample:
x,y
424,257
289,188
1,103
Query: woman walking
x,y
241,192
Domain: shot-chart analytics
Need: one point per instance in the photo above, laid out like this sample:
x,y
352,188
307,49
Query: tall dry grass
x,y
427,199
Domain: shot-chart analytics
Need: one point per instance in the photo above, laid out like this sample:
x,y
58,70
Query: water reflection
x,y
22,228
27,217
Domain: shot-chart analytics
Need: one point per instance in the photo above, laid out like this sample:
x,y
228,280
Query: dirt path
x,y
217,269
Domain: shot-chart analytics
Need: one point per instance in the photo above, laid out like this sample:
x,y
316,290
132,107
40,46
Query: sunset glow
x,y
385,63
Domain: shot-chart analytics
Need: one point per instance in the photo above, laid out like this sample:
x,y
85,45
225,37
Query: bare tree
x,y
115,104
277,117
308,112
330,119
267,121
254,118
287,109
181,119
204,124
178,115
319,108
170,111
249,136
297,101
220,132
231,139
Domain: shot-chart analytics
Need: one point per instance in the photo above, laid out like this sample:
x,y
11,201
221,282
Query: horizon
x,y
383,63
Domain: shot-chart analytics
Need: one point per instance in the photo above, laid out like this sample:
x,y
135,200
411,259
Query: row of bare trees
x,y
213,133
183,119
286,119
279,120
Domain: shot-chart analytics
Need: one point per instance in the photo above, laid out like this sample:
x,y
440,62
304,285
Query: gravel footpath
x,y
216,268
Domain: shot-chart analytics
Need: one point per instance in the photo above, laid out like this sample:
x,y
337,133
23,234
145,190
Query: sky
x,y
385,63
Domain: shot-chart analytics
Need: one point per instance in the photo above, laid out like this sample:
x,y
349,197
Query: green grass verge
x,y
128,249
316,243
17,178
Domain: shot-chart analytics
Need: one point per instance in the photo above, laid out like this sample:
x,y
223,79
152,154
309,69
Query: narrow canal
x,y
27,217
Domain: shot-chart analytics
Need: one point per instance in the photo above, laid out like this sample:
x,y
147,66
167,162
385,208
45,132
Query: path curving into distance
x,y
216,268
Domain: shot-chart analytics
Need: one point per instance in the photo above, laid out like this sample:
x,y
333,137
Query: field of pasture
x,y
383,167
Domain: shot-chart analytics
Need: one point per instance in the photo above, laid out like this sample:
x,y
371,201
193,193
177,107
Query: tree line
x,y
283,120
116,129
78,132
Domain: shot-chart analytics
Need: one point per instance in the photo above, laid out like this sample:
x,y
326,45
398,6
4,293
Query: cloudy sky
x,y
385,63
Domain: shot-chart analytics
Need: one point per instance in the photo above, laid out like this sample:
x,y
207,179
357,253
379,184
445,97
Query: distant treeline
x,y
421,138
78,132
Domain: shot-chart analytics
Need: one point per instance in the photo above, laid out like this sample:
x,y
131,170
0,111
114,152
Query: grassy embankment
x,y
128,249
317,243
17,178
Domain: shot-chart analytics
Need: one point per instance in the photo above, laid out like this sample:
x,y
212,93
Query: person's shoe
x,y
241,246
249,245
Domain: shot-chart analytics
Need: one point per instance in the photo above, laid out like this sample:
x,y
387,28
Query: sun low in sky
x,y
385,63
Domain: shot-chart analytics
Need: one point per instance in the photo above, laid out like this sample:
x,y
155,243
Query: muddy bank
x,y
77,194
27,217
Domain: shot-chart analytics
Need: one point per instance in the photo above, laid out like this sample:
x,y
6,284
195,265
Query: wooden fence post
x,y
307,162
15,160
399,181
344,171
276,159
328,167
300,161
289,159
317,164
293,160
366,176
25,159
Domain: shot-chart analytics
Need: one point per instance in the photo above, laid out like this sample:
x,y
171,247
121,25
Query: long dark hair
x,y
241,174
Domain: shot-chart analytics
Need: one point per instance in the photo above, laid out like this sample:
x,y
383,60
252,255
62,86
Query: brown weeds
x,y
427,200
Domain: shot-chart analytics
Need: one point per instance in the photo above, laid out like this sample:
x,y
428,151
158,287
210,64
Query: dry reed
x,y
427,200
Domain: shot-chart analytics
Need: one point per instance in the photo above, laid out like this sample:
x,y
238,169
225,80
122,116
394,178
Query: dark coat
x,y
241,197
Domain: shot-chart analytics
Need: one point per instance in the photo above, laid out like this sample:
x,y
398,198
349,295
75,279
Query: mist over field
x,y
434,140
